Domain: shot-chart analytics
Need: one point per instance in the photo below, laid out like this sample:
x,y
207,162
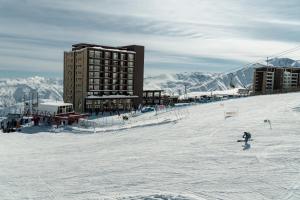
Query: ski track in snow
x,y
195,158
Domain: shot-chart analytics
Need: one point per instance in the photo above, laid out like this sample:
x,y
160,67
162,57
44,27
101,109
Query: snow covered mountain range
x,y
202,82
12,90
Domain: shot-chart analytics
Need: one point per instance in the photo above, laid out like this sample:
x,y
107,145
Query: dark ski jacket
x,y
247,135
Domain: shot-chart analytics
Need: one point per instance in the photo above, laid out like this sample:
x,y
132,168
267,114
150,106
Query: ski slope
x,y
196,157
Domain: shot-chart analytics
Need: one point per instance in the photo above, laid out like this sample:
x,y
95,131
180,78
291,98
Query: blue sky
x,y
179,36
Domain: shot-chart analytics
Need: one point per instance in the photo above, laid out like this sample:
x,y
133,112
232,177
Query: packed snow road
x,y
194,158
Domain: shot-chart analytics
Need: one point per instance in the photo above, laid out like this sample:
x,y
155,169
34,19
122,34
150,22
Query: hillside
x,y
196,158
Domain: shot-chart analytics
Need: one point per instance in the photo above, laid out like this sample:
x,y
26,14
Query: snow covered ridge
x,y
204,82
200,82
12,91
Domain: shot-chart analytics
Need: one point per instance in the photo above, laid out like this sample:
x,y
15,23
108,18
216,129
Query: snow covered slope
x,y
12,90
196,158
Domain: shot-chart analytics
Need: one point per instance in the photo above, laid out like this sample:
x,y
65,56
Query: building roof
x,y
111,97
56,103
153,90
86,45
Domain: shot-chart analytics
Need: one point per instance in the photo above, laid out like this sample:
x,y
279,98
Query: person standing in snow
x,y
247,136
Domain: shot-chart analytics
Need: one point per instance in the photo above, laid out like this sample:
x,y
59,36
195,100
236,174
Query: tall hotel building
x,y
101,78
270,79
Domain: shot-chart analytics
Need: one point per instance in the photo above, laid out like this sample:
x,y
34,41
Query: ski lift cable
x,y
296,48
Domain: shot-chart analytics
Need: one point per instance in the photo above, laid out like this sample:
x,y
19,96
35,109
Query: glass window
x,y
91,68
98,54
96,87
115,63
130,64
115,56
123,56
96,68
107,54
130,57
91,61
97,62
130,70
91,53
106,62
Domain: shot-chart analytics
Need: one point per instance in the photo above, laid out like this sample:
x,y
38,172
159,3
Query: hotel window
x,y
115,56
115,63
106,81
98,54
91,74
114,69
106,62
129,87
91,54
123,56
97,62
115,81
121,63
91,68
106,75
96,81
129,76
105,87
130,82
130,57
91,87
96,74
130,64
130,70
91,81
107,54
96,87
130,93
91,61
96,68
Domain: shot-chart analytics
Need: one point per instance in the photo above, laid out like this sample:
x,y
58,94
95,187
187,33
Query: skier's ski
x,y
244,140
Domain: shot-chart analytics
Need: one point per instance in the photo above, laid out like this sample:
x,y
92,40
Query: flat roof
x,y
56,103
153,90
111,97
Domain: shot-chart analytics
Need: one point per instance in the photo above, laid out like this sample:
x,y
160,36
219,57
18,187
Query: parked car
x,y
147,109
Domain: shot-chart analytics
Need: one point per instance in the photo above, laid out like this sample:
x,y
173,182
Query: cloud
x,y
206,35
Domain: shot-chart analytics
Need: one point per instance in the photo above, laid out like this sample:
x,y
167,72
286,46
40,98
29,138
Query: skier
x,y
247,136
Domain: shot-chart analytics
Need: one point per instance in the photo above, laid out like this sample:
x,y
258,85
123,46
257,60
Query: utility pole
x,y
185,91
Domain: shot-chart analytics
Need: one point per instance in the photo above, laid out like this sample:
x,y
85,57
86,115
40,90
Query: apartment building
x,y
270,79
101,78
